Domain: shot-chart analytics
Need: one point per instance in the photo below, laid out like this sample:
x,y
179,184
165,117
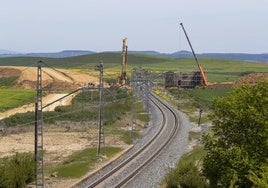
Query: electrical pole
x,y
134,84
200,113
101,140
38,148
179,94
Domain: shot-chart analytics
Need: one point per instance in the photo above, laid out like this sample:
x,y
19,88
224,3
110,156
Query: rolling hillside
x,y
263,57
217,70
84,61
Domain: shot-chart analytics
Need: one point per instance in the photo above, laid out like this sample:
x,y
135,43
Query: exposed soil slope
x,y
251,78
53,79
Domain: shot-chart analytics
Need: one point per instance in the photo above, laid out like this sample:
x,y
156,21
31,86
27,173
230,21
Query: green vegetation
x,y
192,100
110,60
205,95
259,180
187,174
7,82
141,114
84,108
17,171
237,146
128,136
240,123
200,97
79,163
12,98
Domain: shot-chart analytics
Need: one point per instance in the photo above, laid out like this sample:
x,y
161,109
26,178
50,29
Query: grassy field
x,y
205,95
79,163
11,98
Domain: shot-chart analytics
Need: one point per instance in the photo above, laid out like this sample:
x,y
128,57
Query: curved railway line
x,y
128,168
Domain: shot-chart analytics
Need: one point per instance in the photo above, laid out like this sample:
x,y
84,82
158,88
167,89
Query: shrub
x,y
189,176
17,171
186,174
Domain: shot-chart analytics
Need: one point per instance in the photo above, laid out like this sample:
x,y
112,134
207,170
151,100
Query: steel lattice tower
x,y
38,149
101,138
134,87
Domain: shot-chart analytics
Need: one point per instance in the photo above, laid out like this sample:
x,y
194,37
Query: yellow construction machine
x,y
122,79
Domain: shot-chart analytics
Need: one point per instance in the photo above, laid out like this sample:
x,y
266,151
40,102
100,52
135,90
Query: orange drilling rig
x,y
204,78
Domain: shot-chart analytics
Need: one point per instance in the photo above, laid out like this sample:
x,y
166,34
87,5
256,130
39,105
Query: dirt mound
x,y
6,72
52,79
251,79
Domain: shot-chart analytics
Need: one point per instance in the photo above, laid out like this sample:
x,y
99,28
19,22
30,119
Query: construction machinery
x,y
122,79
204,78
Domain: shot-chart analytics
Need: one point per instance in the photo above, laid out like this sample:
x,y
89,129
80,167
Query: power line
x,y
39,136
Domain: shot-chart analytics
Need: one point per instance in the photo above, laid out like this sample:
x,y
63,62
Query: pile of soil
x,y
6,72
251,79
52,79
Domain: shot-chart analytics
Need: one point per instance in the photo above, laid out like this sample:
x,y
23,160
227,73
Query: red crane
x,y
204,78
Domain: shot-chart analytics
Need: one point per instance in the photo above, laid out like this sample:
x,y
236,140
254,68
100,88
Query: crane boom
x,y
204,78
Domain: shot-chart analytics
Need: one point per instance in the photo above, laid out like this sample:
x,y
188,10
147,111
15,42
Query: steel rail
x,y
132,157
157,153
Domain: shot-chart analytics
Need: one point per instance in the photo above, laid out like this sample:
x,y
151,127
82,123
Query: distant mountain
x,y
187,54
238,56
62,54
146,52
235,56
181,54
7,53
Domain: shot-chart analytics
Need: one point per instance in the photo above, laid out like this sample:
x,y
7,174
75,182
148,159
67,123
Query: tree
x,y
238,141
260,181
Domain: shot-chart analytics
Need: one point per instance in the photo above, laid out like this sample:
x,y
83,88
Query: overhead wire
x,y
91,105
55,69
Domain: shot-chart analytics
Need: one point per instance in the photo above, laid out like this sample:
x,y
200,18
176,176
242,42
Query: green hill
x,y
217,70
84,61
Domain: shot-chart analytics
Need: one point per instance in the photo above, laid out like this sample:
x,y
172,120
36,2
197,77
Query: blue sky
x,y
100,25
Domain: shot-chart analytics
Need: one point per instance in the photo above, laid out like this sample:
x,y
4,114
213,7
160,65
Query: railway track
x,y
129,167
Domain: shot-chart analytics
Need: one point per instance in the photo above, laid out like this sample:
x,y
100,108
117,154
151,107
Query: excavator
x,y
203,75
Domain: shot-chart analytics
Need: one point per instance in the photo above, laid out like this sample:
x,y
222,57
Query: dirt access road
x,y
46,100
57,137
52,79
61,139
